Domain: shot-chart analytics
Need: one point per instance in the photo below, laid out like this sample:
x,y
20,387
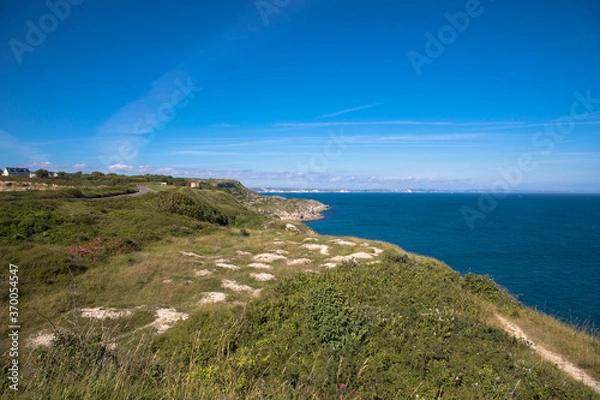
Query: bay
x,y
543,248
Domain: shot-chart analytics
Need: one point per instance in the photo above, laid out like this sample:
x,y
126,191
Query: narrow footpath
x,y
566,366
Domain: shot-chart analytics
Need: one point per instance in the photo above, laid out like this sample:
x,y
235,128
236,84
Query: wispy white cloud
x,y
553,123
396,122
144,114
349,110
200,153
579,153
47,165
429,137
283,179
53,166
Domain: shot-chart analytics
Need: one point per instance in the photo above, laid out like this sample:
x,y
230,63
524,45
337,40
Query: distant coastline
x,y
474,191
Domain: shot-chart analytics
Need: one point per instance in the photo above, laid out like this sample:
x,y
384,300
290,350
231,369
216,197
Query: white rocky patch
x,y
262,277
168,281
329,265
166,318
227,266
291,228
213,297
202,272
299,261
377,251
260,266
310,239
39,340
281,252
355,256
323,248
342,242
243,253
268,257
235,286
104,313
190,254
361,255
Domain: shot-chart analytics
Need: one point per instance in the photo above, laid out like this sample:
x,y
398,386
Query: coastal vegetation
x,y
206,292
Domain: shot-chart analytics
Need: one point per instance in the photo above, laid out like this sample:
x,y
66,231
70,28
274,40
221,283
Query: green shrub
x,y
184,204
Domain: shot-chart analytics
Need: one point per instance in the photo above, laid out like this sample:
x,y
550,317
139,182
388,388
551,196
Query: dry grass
x,y
167,274
579,348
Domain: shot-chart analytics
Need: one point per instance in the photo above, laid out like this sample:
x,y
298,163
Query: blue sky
x,y
452,95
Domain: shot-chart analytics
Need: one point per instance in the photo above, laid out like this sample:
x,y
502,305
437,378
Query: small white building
x,y
194,184
8,171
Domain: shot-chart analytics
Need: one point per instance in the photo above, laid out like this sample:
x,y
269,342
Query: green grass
x,y
393,326
381,330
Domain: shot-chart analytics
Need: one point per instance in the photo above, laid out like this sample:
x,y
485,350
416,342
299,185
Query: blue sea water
x,y
544,248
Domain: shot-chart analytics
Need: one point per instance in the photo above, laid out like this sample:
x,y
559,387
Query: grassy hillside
x,y
196,293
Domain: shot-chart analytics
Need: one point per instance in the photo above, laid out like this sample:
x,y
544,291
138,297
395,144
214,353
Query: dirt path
x,y
573,371
141,190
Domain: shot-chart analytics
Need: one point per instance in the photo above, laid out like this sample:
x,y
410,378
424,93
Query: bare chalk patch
x,y
213,297
342,242
202,272
299,261
361,255
104,313
41,339
376,251
268,257
323,248
262,277
243,253
329,265
166,318
235,286
310,239
291,228
190,254
260,266
227,266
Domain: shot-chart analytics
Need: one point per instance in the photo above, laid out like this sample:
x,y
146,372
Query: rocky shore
x,y
308,210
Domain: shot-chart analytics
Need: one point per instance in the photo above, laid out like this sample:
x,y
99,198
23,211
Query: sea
x,y
543,248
